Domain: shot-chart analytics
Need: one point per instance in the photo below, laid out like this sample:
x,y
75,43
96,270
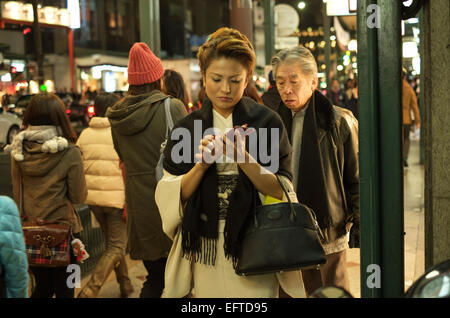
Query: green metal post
x,y
390,132
149,24
269,29
422,81
326,34
368,151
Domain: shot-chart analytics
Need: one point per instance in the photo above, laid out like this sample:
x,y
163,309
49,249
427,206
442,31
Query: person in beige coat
x,y
106,198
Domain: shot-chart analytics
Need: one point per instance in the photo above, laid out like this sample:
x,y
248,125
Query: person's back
x,y
47,176
101,162
138,124
13,259
106,198
272,98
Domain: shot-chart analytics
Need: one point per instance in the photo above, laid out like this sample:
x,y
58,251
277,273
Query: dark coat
x,y
138,125
337,134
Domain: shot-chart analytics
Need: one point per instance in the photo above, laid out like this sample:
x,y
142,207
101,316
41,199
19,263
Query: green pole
x,y
269,29
326,33
368,153
422,81
149,24
390,132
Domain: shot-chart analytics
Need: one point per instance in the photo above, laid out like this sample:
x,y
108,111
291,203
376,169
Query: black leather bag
x,y
281,237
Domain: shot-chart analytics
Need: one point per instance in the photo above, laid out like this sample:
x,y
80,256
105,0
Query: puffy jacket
x,y
101,165
13,259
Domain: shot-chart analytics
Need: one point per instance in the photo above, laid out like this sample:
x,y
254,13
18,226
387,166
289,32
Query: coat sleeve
x,y
76,182
15,179
414,106
116,144
177,110
13,258
351,165
168,199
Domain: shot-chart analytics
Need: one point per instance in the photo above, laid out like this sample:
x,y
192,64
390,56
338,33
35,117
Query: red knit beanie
x,y
143,66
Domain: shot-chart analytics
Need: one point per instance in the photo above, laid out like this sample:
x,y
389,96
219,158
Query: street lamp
x,y
301,5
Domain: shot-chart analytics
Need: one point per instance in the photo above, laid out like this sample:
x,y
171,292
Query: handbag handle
x,y
294,215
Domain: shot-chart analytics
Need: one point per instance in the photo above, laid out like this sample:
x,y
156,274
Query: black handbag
x,y
281,237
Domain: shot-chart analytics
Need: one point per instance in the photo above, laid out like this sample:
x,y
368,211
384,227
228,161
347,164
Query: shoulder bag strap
x,y
169,121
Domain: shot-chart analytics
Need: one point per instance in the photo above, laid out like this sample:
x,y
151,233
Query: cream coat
x,y
101,165
219,281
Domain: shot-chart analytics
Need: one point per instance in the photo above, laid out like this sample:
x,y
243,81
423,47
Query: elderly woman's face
x,y
294,86
225,81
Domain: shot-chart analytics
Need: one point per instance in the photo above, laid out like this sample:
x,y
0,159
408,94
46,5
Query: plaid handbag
x,y
47,243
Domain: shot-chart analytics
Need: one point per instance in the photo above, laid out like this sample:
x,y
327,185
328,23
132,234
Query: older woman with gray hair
x,y
324,138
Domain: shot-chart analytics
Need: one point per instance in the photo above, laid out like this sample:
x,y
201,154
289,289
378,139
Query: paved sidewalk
x,y
414,239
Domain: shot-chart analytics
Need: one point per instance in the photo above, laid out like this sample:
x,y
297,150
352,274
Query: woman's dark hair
x,y
48,109
145,88
174,86
227,43
103,101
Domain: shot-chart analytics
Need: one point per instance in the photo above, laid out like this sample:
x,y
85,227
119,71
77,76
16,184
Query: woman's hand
x,y
205,158
192,179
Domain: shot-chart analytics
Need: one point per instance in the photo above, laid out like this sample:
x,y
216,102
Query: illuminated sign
x,y
341,7
73,6
70,17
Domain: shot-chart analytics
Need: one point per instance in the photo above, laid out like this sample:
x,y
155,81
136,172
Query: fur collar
x,y
48,136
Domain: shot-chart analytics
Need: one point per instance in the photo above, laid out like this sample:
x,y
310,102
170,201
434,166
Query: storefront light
x,y
410,49
64,17
416,64
96,73
74,8
34,87
340,68
6,77
27,12
110,82
353,45
20,66
11,10
50,85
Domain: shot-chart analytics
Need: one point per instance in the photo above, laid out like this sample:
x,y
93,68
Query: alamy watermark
x,y
74,279
373,20
374,279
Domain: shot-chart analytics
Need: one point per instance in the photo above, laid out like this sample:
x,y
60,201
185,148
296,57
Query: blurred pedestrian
x,y
252,92
336,95
272,97
409,104
219,198
138,124
351,97
324,161
47,165
173,85
106,198
13,258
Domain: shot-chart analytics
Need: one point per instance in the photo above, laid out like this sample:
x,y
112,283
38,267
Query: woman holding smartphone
x,y
216,196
